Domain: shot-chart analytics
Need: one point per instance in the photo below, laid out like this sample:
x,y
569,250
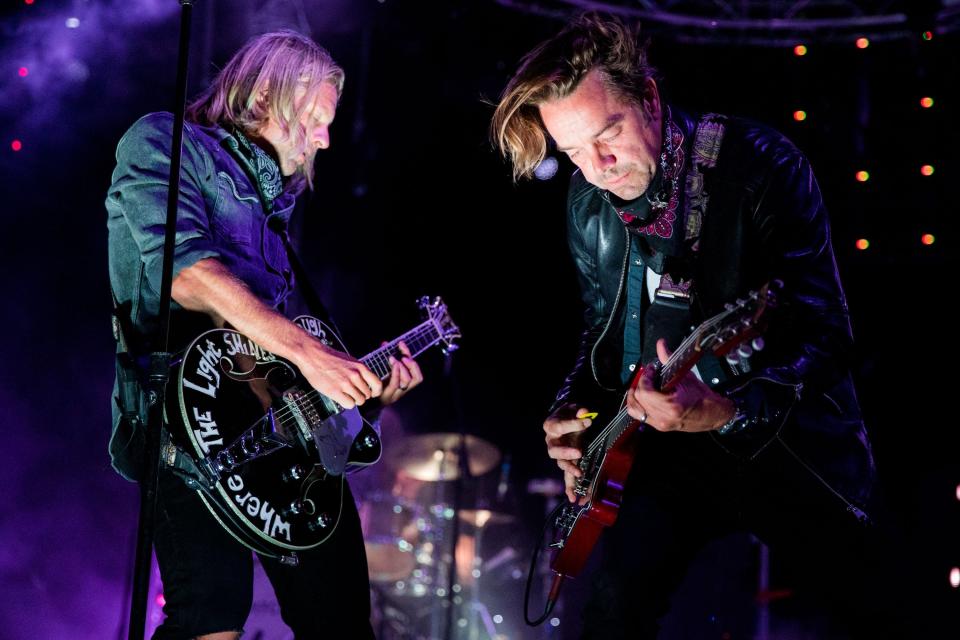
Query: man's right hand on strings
x,y
337,375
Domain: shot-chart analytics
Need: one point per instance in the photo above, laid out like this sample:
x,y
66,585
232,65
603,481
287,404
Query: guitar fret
x,y
418,340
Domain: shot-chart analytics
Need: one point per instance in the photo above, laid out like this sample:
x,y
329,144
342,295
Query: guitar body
x,y
607,459
605,496
268,453
229,389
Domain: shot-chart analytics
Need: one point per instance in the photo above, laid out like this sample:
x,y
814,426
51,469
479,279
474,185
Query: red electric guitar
x,y
607,459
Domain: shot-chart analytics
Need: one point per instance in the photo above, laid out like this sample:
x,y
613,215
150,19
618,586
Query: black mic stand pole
x,y
463,477
159,368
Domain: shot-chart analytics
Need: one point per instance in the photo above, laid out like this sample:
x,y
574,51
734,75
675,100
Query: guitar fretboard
x,y
418,340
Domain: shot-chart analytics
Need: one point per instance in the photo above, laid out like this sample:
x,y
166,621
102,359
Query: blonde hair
x,y
553,70
261,80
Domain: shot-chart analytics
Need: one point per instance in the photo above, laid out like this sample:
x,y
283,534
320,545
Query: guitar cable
x,y
557,579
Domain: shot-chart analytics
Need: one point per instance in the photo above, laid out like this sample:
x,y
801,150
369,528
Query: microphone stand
x,y
463,476
159,367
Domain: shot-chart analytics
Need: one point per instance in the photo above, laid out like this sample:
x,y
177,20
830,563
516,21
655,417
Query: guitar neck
x,y
418,340
672,371
668,375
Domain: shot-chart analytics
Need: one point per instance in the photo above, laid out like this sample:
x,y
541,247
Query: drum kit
x,y
425,586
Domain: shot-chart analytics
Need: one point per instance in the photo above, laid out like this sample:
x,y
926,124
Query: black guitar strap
x,y
133,405
310,295
129,384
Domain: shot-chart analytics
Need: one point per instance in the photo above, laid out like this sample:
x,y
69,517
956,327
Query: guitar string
x,y
613,425
375,361
414,336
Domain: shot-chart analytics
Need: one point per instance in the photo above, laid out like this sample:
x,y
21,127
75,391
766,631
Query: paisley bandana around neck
x,y
263,167
654,217
655,212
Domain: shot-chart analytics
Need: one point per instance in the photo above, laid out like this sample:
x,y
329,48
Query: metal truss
x,y
768,22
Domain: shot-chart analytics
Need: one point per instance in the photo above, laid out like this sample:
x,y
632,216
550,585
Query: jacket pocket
x,y
234,215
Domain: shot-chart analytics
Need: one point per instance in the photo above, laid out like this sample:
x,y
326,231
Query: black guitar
x,y
272,451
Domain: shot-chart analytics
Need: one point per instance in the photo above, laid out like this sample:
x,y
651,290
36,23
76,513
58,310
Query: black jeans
x,y
684,491
208,576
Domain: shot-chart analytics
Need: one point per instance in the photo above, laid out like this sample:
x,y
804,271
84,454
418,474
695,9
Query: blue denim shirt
x,y
220,216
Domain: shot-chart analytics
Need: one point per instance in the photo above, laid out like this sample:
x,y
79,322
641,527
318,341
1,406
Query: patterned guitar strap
x,y
669,313
704,153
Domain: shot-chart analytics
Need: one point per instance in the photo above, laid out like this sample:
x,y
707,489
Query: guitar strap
x,y
133,405
129,397
310,295
668,313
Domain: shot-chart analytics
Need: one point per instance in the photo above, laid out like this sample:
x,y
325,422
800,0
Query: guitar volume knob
x,y
294,473
366,442
320,523
295,508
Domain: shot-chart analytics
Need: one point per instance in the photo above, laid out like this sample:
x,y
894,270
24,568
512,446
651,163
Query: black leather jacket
x,y
765,220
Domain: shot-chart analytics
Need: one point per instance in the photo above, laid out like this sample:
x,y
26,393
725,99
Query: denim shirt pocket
x,y
234,215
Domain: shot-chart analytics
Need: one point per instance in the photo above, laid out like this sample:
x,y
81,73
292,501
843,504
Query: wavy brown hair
x,y
262,78
554,69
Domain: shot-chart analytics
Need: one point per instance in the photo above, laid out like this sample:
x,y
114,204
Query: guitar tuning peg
x,y
745,351
733,358
758,344
729,306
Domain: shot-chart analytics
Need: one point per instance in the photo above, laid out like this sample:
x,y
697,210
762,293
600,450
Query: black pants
x,y
684,492
208,576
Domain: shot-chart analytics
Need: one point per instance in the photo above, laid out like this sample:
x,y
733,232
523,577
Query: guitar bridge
x,y
303,410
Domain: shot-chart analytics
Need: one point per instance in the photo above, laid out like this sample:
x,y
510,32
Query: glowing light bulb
x,y
863,244
800,50
862,176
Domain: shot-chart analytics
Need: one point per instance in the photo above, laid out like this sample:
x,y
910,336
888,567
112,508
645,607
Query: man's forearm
x,y
209,287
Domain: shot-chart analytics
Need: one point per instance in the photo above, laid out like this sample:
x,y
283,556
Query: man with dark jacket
x,y
671,216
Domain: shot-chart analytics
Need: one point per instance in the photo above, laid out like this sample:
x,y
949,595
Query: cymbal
x,y
481,517
435,456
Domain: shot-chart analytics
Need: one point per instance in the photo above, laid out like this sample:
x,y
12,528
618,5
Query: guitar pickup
x,y
303,411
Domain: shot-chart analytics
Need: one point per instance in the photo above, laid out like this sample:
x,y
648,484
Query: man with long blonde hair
x,y
248,150
670,217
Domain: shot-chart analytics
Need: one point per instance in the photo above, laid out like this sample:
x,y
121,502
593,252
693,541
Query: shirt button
x,y
638,262
632,367
633,315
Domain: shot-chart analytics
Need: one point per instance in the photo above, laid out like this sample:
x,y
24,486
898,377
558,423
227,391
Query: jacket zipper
x,y
616,304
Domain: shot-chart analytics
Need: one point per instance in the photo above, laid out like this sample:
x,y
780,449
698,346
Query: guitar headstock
x,y
436,312
739,322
